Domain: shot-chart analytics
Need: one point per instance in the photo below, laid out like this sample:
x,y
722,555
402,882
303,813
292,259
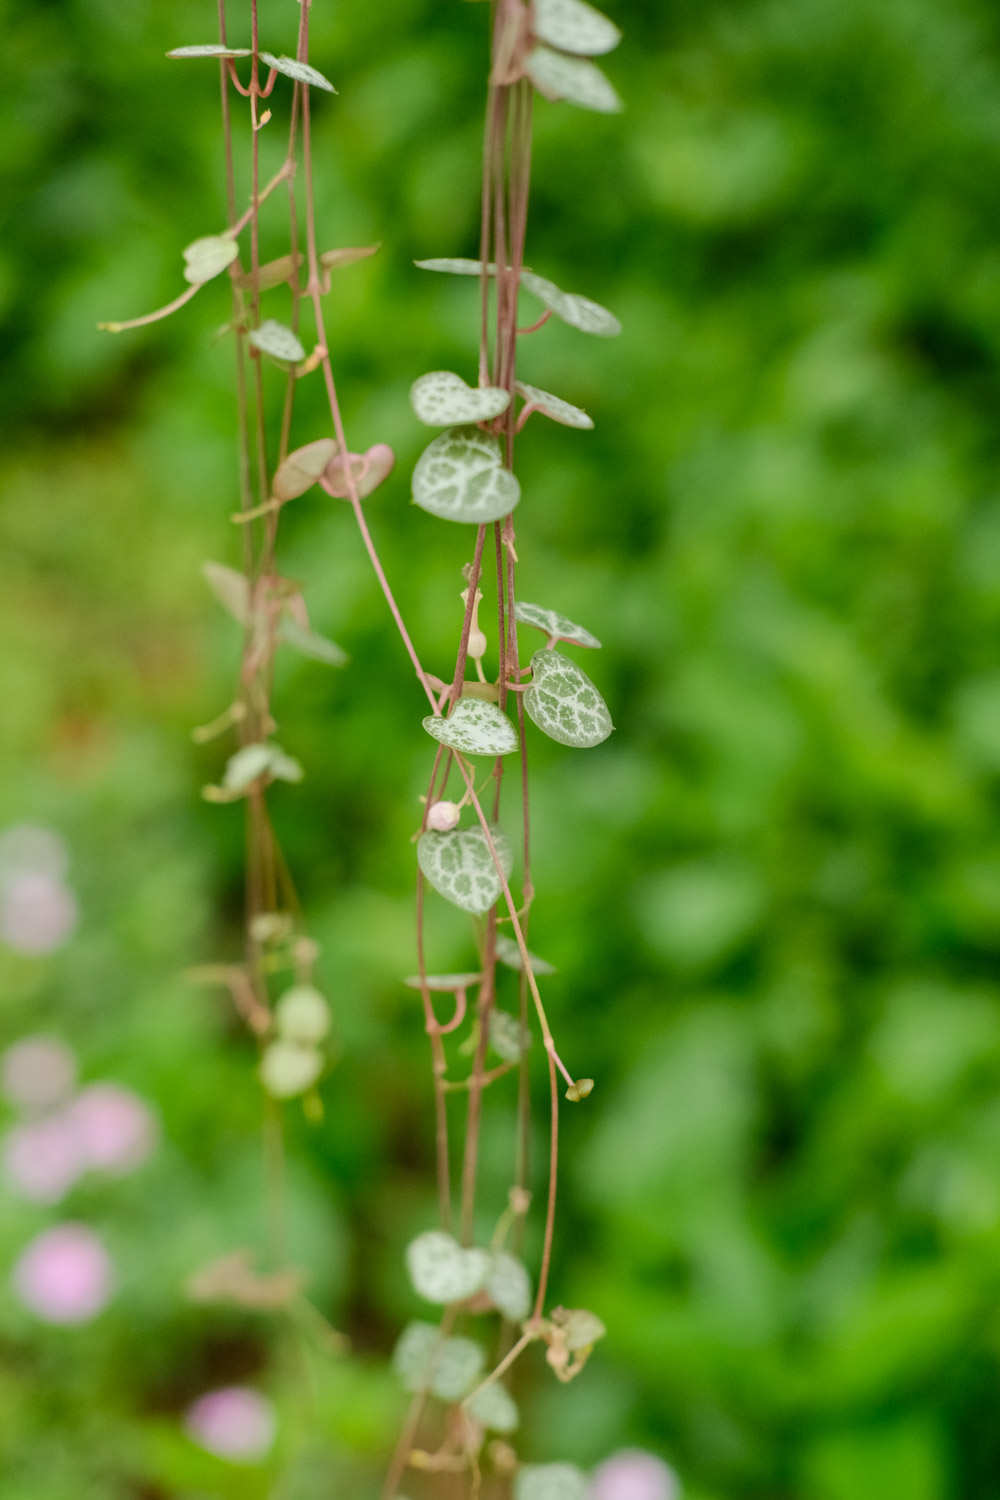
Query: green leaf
x,y
508,1286
251,762
445,983
509,953
300,470
230,588
556,626
553,406
564,703
288,1069
280,342
300,71
332,260
448,1368
494,1407
442,399
209,49
456,266
580,1328
475,728
573,79
461,477
308,643
550,1482
573,26
442,1270
208,257
460,867
508,1038
302,1015
579,312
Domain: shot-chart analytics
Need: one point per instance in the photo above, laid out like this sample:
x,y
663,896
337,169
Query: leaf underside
x,y
554,407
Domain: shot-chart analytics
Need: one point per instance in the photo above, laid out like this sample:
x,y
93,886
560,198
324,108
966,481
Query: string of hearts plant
x,y
465,475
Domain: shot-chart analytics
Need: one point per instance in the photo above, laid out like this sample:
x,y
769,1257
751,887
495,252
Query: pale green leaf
x,y
442,399
251,762
573,79
475,728
444,983
277,340
494,1408
509,953
230,588
332,260
209,49
208,257
301,468
550,1482
508,1038
573,26
553,406
554,625
461,477
449,1368
302,1015
456,266
288,1069
308,643
300,71
578,312
460,867
442,1270
564,703
580,1328
508,1286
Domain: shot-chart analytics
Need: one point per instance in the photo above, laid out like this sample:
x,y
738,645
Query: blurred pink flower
x,y
233,1422
64,1275
37,912
37,1072
116,1129
42,1158
632,1474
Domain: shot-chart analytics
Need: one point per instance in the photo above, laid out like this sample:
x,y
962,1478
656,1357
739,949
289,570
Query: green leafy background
x,y
773,896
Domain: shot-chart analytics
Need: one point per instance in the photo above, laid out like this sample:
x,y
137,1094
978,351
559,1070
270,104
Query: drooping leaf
x,y
509,953
564,703
300,71
288,1069
475,728
550,1482
460,867
368,470
277,340
442,399
300,470
442,1270
208,257
332,260
494,1407
508,1286
308,643
460,477
508,1038
553,406
448,1368
556,626
573,26
230,588
579,312
251,762
571,78
456,265
209,49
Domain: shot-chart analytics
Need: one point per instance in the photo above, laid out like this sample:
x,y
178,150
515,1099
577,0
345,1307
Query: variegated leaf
x,y
280,342
456,265
579,312
571,78
553,406
300,71
564,703
442,399
556,626
460,867
573,26
460,477
475,728
441,1270
208,257
508,1038
509,953
508,1286
449,1368
494,1407
209,49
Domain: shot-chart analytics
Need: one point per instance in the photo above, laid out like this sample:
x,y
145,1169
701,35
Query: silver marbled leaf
x,y
556,626
277,340
553,407
475,728
442,1270
573,26
564,703
460,867
509,953
300,71
508,1038
494,1407
442,399
460,477
209,49
448,1368
579,312
571,78
508,1286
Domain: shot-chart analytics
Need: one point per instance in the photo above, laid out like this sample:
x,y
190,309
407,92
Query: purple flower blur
x,y
632,1474
64,1275
115,1129
234,1422
42,1158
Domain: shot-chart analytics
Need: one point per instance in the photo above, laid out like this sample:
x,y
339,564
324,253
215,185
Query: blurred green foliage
x,y
773,896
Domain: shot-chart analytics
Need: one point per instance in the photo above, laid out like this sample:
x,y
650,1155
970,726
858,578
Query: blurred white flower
x,y
233,1422
632,1474
115,1129
42,1158
64,1275
37,911
36,1073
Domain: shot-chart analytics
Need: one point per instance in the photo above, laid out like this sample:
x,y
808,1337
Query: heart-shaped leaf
x,y
564,703
308,643
230,588
461,477
579,312
508,1286
441,1270
493,1407
475,728
367,470
277,340
209,49
208,257
573,26
442,399
509,953
300,71
300,470
508,1038
553,406
460,867
251,762
550,1482
446,1367
556,626
573,79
